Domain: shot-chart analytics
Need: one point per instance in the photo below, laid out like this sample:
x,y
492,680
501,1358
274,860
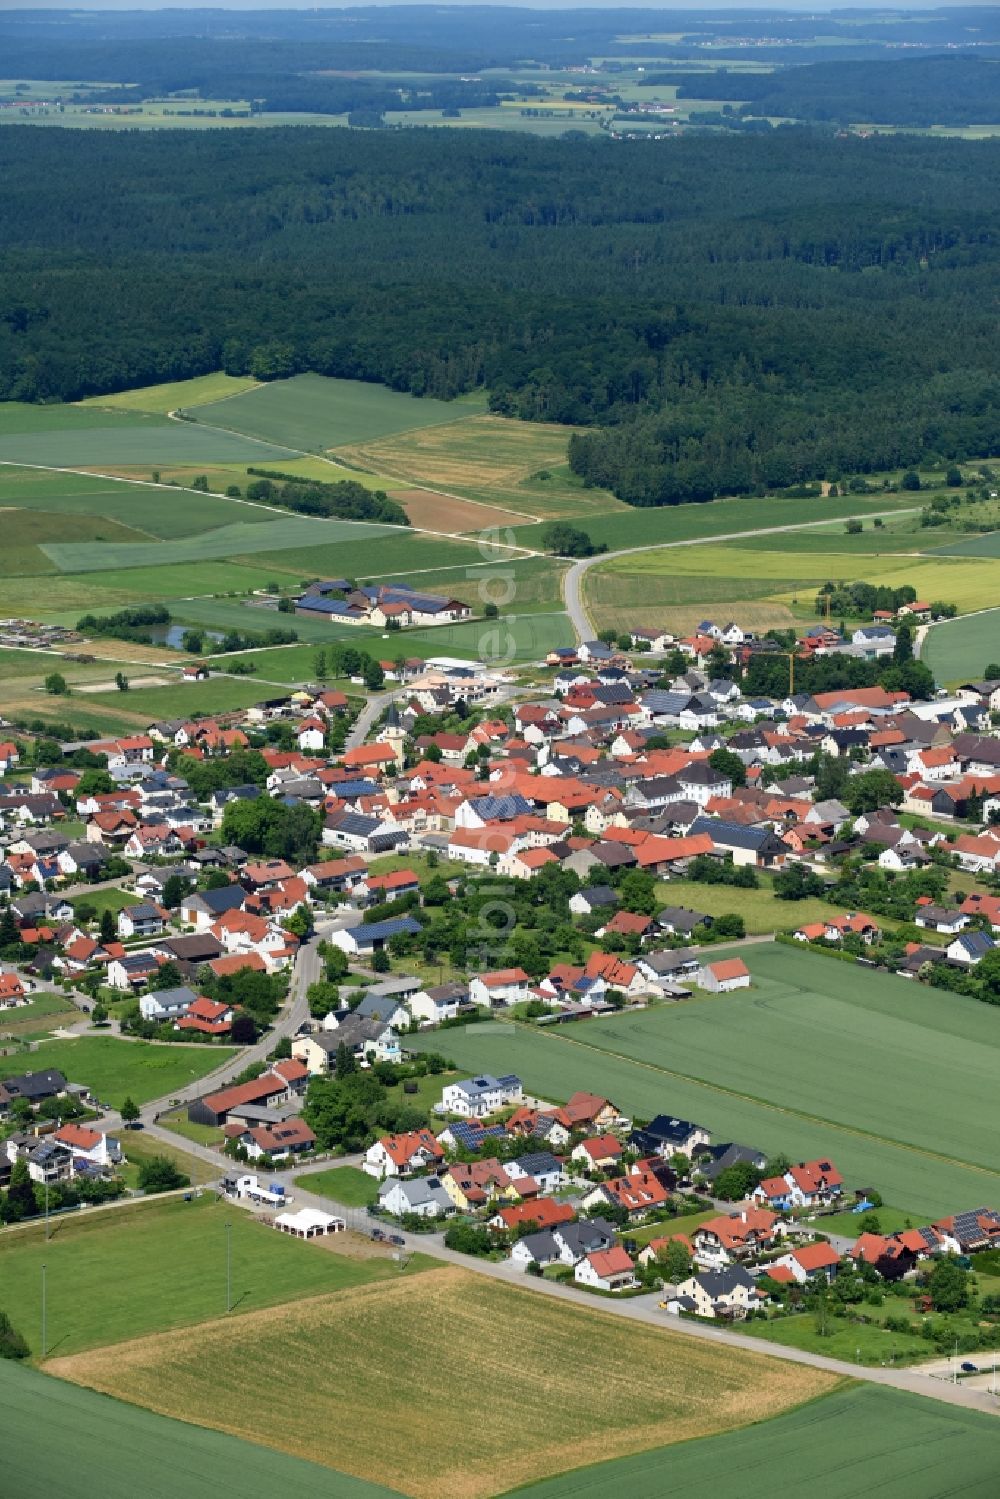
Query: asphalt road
x,y
572,592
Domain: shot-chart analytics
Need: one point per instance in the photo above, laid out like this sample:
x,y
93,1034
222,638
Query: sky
x,y
684,5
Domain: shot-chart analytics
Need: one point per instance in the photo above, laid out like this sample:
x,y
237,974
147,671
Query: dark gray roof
x,y
540,1161
735,834
720,1282
600,895
381,931
216,902
32,1085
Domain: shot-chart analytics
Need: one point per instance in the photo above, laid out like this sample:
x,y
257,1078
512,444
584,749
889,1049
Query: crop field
x,y
28,534
239,537
629,527
681,580
146,508
180,699
443,1332
818,1058
960,649
314,412
398,553
517,637
861,1439
494,459
200,391
972,546
130,1248
434,511
100,1446
129,438
114,1069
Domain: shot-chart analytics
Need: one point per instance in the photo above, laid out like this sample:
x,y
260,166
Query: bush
x,y
159,1174
12,1344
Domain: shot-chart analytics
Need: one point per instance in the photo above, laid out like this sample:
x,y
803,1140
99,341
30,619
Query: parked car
x,y
968,1368
396,1239
378,1233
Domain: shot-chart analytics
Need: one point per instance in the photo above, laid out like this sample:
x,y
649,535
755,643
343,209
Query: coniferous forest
x,y
730,312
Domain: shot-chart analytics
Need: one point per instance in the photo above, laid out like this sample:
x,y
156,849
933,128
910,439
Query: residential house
x,y
499,989
477,1097
423,1196
809,1260
724,975
402,1155
728,1293
606,1270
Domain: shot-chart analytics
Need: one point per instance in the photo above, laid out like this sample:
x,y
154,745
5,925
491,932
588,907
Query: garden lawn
x,y
896,1083
134,1270
44,1013
114,1069
99,1446
315,412
859,1440
106,900
346,1184
454,1336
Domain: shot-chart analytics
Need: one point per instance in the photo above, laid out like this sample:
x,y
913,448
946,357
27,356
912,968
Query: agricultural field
x,y
106,1447
818,1058
202,390
78,436
114,1069
860,1439
179,700
438,1334
493,459
128,1248
314,413
399,552
153,510
272,535
960,649
676,585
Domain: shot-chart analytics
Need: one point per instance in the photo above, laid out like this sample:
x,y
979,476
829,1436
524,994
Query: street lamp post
x,y
44,1328
229,1266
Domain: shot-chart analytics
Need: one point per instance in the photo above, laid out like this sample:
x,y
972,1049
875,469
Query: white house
x,y
145,920
724,975
424,1196
89,1145
606,1270
431,1006
401,1155
166,1004
714,1293
477,1097
506,986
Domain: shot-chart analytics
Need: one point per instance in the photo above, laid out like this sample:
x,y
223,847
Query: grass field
x,y
347,1184
140,1146
891,1080
859,1440
28,534
45,1012
313,412
456,1338
961,649
200,391
399,553
130,1271
761,910
128,438
114,1069
100,1446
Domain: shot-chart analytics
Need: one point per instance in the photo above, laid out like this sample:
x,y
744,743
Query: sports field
x,y
897,1083
446,1360
314,412
114,1069
859,1440
125,1272
961,649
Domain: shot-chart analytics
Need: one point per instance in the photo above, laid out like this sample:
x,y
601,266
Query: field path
x,y
573,592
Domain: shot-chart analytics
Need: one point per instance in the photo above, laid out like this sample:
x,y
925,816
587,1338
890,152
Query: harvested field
x,y
431,511
446,1331
489,458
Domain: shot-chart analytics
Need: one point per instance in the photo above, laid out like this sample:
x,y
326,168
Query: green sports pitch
x,y
894,1081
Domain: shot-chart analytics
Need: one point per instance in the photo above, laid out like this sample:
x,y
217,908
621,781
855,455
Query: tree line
x,y
743,314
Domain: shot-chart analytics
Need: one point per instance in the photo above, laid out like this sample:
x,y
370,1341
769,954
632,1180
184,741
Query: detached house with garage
x,y
477,1097
402,1155
809,1184
606,1270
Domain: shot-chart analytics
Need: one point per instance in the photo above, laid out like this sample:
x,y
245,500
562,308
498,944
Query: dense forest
x,y
952,89
733,312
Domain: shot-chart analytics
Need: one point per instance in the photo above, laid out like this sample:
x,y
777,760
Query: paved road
x,y
644,1309
365,721
572,592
